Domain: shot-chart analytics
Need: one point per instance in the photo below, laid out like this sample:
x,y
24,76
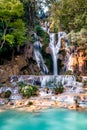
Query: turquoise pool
x,y
51,119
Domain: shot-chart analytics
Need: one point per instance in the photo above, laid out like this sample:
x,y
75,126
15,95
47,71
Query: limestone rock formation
x,y
12,69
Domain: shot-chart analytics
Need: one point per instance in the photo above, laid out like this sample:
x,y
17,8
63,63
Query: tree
x,y
69,13
55,16
12,27
74,12
29,12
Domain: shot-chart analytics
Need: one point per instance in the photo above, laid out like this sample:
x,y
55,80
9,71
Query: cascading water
x,y
38,55
54,55
55,48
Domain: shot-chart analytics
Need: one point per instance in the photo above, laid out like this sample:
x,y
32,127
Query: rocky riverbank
x,y
74,95
35,104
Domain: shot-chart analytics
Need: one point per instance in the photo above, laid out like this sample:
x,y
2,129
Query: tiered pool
x,y
51,119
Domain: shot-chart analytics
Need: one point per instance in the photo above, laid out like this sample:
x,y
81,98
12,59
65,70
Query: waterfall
x,y
38,56
54,54
66,80
55,48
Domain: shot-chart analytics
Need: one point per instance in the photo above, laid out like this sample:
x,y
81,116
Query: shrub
x,y
21,85
59,88
30,103
29,91
7,94
44,35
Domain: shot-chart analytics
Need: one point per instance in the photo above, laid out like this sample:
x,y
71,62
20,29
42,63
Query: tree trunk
x,y
12,59
18,48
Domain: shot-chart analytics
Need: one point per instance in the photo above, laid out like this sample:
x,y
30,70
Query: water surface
x,y
51,119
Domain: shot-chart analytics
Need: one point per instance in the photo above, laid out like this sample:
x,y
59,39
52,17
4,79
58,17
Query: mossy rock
x,y
7,94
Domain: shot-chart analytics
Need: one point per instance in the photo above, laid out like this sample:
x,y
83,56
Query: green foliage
x,y
21,84
44,35
12,27
69,13
59,88
29,12
7,94
29,90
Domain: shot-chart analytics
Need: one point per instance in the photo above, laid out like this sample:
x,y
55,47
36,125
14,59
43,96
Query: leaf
x,y
9,38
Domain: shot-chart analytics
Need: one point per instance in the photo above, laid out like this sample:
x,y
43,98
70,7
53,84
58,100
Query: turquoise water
x,y
51,119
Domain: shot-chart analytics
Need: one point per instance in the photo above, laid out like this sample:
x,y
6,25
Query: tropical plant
x,y
29,90
58,88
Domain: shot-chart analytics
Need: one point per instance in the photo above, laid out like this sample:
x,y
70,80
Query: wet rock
x,y
13,78
2,95
40,39
3,101
16,97
60,56
48,50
